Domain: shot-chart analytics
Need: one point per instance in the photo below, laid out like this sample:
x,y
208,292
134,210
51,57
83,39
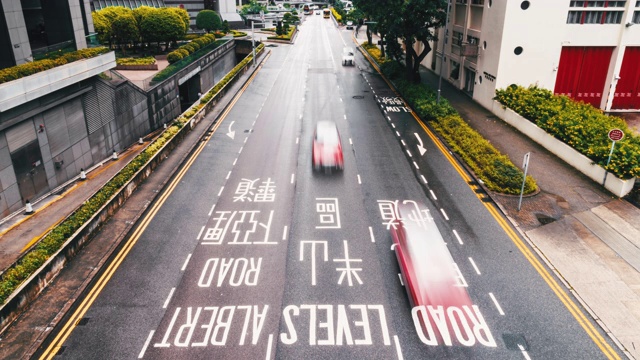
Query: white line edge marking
x,y
297,140
415,164
495,302
245,140
403,143
300,116
234,161
186,262
220,192
397,133
444,214
350,142
340,99
269,345
293,176
228,174
400,278
359,181
345,117
398,349
433,195
475,267
388,118
458,237
373,239
424,179
146,344
240,152
211,211
166,302
393,125
409,153
524,352
200,233
284,233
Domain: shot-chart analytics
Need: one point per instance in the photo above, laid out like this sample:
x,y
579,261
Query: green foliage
x,y
174,56
19,71
253,7
140,13
285,35
495,169
149,60
579,125
279,29
225,26
183,14
374,51
186,59
208,20
124,29
162,25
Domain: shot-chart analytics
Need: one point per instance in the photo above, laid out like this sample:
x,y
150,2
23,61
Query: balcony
x,y
23,90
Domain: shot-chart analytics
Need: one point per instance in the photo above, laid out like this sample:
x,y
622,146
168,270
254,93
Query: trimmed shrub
x,y
174,56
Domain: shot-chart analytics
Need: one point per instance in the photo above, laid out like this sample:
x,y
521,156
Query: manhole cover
x,y
515,342
544,219
358,97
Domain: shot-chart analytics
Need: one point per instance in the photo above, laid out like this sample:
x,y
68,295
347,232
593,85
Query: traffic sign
x,y
616,135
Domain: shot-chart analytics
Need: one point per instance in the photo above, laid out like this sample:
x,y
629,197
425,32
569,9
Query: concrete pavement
x,y
588,238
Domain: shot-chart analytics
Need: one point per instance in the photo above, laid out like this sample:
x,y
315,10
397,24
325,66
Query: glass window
x,y
457,38
576,4
574,17
636,17
593,17
595,3
613,17
455,70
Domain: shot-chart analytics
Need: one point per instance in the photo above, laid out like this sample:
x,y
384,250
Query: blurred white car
x,y
349,25
348,56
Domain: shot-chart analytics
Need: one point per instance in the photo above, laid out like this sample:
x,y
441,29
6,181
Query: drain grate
x,y
515,342
358,96
544,219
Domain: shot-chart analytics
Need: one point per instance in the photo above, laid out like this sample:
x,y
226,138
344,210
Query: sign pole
x,y
614,135
606,172
525,167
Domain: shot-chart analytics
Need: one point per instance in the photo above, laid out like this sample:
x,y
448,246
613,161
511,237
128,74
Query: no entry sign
x,y
616,135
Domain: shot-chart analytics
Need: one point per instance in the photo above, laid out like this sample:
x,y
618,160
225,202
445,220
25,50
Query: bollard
x,y
114,156
83,176
28,208
140,141
165,125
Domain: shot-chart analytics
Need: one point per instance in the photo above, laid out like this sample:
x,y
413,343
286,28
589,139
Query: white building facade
x,y
588,50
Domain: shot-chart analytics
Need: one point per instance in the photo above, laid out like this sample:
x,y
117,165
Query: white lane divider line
x,y
166,302
424,179
398,349
393,125
297,140
400,278
403,143
416,165
350,142
220,192
458,237
240,152
284,233
359,181
186,262
245,140
388,118
211,211
524,352
433,195
228,174
235,161
373,239
409,153
397,133
345,117
473,263
200,233
495,302
444,214
269,345
146,345
293,176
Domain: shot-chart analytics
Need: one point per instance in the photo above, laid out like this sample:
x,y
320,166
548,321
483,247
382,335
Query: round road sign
x,y
616,135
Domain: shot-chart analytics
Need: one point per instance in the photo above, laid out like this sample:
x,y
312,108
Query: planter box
x,y
137,67
565,152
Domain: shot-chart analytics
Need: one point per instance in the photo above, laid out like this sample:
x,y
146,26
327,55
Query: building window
x,y
601,4
477,2
457,38
636,17
473,40
455,70
613,17
574,17
461,1
594,17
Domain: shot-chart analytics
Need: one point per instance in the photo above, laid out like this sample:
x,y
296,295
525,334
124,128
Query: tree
x,y
208,20
162,26
279,30
124,30
253,7
184,15
103,19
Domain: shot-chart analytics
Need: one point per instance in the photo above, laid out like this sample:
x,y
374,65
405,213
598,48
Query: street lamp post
x,y
444,46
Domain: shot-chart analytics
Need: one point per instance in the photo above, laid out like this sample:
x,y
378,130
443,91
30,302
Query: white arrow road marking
x,y
231,134
420,146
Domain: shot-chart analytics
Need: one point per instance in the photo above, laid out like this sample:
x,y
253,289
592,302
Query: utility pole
x,y
444,46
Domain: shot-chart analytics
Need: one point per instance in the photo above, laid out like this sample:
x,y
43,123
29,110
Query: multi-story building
x,y
56,122
588,50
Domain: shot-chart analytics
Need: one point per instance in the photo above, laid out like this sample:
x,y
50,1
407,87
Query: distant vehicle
x,y
327,148
348,56
318,12
326,13
349,25
307,9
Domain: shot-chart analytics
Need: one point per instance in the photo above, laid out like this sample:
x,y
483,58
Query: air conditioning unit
x,y
468,49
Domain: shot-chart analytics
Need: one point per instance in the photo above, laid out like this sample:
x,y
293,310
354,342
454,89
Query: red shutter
x,y
582,73
569,70
627,95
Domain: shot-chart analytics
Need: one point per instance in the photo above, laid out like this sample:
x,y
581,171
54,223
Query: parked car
x,y
349,25
327,147
348,56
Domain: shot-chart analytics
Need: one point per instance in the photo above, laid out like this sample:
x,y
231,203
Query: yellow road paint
x,y
66,330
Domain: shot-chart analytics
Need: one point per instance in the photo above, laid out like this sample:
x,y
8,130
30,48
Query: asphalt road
x,y
252,255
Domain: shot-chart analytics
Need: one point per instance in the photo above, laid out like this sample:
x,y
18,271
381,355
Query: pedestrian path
x,y
588,237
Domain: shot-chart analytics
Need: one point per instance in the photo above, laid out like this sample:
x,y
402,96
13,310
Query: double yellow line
x,y
66,330
573,308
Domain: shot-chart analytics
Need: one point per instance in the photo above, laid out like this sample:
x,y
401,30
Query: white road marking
x,y
297,139
300,116
388,118
345,117
400,278
524,353
284,233
373,239
350,142
228,174
146,344
359,181
220,192
292,177
433,195
416,165
240,152
200,233
473,263
166,302
245,140
397,133
235,161
398,350
211,211
403,143
409,153
444,214
269,344
186,261
393,125
495,302
340,99
458,237
424,179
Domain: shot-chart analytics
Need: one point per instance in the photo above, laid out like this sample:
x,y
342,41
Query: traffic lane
x,y
486,247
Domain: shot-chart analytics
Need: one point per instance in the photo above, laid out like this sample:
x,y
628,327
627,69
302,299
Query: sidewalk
x,y
589,238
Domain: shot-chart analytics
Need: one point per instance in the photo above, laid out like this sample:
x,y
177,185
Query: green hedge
x,y
51,243
183,61
149,60
577,124
20,71
190,48
287,36
495,169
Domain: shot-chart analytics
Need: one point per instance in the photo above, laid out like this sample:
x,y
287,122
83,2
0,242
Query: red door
x,y
627,95
582,73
